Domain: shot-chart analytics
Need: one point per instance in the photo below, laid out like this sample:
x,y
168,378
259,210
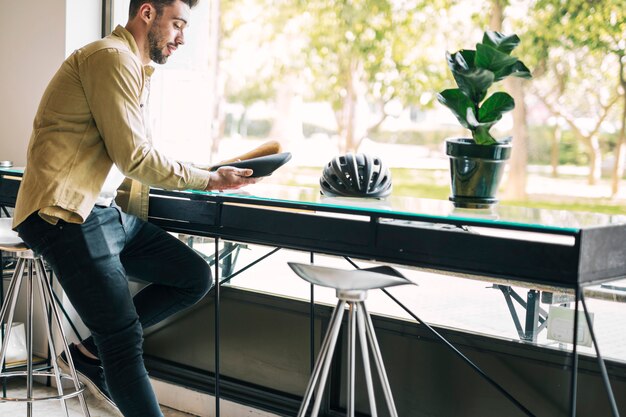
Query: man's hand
x,y
230,178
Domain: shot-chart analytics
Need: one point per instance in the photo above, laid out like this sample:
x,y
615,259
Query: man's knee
x,y
200,278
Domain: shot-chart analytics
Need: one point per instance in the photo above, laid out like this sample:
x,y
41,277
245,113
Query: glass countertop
x,y
423,209
12,170
413,209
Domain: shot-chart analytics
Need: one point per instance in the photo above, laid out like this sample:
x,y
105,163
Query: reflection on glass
x,y
423,208
419,209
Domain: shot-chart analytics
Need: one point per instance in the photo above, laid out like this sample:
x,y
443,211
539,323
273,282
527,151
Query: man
x,y
88,134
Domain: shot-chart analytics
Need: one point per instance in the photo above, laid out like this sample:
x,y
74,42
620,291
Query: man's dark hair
x,y
158,5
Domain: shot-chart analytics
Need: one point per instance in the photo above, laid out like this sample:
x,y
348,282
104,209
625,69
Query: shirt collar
x,y
121,32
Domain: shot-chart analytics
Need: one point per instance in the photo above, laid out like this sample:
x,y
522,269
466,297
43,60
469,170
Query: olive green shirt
x,y
91,117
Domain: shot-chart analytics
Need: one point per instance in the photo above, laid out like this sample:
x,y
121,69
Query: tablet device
x,y
262,166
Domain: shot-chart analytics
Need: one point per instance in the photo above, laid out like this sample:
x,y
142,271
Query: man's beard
x,y
154,39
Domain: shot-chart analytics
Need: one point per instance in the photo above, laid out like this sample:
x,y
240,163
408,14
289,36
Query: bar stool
x,y
27,260
351,287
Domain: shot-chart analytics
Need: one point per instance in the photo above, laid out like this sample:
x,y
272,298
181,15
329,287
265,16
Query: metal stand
x,y
27,261
59,304
351,289
359,321
536,317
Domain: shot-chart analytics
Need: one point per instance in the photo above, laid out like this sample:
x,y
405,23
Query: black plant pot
x,y
475,171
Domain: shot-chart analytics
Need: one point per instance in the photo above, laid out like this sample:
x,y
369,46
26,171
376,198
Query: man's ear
x,y
147,12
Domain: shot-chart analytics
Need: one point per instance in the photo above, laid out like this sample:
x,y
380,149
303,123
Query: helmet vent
x,y
356,175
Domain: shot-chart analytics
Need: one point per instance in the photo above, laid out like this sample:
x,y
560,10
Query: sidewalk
x,y
540,184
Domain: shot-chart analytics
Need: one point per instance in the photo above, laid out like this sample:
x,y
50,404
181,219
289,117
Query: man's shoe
x,y
90,374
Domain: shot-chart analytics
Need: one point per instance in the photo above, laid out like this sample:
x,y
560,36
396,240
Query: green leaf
x,y
457,62
501,42
459,103
469,56
462,60
482,136
474,83
518,69
491,59
492,109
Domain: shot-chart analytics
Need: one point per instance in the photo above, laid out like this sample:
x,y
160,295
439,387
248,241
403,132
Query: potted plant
x,y
477,163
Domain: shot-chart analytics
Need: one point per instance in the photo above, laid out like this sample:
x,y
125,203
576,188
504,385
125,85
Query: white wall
x,y
35,38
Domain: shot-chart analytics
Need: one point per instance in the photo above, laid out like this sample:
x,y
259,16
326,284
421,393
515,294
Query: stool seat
x,y
355,279
9,240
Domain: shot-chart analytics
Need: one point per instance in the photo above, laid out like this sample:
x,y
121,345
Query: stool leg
x,y
9,303
29,339
351,351
19,270
328,345
334,329
318,367
360,321
378,359
57,316
45,308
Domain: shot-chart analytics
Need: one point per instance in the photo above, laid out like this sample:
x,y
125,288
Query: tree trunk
x,y
554,151
349,114
287,125
497,15
516,182
595,161
352,122
618,169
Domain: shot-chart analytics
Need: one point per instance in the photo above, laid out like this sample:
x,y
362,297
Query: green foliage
x,y
475,71
597,24
576,47
341,51
378,45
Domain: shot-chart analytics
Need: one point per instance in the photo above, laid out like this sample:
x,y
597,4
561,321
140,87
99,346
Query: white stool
x,y
27,260
352,287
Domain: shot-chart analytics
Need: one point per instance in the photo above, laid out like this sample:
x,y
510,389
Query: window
x,y
181,91
254,105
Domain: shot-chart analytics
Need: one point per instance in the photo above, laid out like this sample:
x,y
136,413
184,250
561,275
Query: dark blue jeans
x,y
93,262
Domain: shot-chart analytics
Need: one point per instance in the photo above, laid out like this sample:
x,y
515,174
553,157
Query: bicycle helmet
x,y
356,175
